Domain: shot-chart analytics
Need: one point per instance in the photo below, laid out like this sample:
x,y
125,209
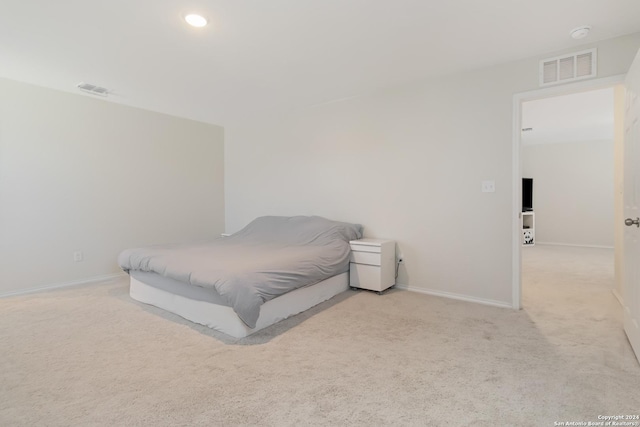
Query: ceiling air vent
x,y
568,68
93,89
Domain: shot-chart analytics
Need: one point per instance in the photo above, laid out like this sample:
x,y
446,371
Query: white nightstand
x,y
373,264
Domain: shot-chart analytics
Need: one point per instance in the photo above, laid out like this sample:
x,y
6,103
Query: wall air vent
x,y
568,68
93,89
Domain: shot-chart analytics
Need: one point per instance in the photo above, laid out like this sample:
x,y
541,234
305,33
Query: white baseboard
x,y
85,281
452,295
618,296
574,245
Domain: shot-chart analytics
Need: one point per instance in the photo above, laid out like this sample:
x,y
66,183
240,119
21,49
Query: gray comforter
x,y
267,258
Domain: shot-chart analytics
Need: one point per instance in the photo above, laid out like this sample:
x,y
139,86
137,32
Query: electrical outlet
x,y
488,186
77,256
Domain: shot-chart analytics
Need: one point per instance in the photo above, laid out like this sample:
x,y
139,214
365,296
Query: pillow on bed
x,y
301,230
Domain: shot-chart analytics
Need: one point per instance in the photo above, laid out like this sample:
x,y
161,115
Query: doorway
x,y
568,162
519,103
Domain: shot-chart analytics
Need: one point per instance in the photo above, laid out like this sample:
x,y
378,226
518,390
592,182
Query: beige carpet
x,y
90,356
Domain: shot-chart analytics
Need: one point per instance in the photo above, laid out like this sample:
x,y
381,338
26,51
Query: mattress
x,y
205,307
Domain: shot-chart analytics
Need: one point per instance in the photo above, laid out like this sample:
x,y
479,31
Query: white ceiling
x,y
277,55
580,117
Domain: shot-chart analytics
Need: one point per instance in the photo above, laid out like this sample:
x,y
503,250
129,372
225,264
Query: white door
x,y
631,196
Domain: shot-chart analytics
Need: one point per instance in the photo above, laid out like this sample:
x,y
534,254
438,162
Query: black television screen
x,y
527,194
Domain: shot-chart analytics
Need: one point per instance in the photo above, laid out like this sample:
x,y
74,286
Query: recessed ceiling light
x,y
580,32
195,20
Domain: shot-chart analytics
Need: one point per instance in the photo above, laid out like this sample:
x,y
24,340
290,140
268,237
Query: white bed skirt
x,y
224,319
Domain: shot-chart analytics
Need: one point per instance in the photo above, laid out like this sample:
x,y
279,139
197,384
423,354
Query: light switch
x,y
488,186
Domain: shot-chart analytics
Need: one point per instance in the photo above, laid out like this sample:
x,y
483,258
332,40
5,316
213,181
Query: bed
x,y
273,268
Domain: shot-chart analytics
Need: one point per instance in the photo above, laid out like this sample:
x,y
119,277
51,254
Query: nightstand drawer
x,y
365,248
365,276
370,258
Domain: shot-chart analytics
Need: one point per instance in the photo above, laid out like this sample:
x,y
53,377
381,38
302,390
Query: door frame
x,y
516,164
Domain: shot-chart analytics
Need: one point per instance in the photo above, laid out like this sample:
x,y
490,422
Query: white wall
x,y
407,163
573,191
81,174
